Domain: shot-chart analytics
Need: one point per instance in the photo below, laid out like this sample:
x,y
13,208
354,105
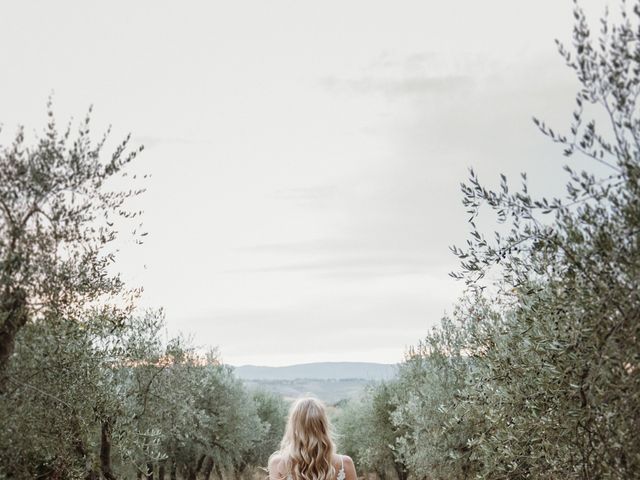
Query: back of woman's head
x,y
307,447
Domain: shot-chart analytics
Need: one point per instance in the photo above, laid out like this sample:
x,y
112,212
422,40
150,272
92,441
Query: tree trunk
x,y
81,450
105,450
13,311
401,470
200,462
192,473
92,475
218,471
161,466
208,467
173,474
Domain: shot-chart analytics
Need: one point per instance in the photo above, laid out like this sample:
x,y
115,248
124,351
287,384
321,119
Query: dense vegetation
x,y
85,401
535,375
87,388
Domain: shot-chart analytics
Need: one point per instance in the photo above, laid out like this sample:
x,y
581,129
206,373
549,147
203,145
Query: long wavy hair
x,y
307,446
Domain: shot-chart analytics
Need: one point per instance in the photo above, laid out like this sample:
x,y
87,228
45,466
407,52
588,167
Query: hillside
x,y
319,371
329,381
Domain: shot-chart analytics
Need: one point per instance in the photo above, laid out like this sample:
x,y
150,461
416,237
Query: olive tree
x,y
432,383
58,208
536,373
556,359
272,412
367,433
72,408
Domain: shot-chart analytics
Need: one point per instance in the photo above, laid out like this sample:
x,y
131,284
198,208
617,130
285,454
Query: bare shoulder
x,y
275,467
347,460
349,468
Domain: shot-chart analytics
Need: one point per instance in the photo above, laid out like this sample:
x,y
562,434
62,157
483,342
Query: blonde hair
x,y
307,446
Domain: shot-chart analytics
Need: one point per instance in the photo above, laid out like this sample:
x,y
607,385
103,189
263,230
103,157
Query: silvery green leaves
x,y
535,373
58,205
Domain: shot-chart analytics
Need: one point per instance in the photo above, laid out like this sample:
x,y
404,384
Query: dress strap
x,y
341,474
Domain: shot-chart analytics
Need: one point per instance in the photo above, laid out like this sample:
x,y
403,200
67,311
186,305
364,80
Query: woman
x,y
307,451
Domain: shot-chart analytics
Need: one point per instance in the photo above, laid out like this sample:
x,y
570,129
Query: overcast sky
x,y
305,156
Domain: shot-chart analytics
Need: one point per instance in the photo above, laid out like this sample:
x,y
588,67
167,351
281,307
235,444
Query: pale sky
x,y
305,157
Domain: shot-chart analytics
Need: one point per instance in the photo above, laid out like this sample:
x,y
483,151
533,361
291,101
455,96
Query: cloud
x,y
354,258
320,245
350,266
416,74
152,141
414,85
306,195
410,62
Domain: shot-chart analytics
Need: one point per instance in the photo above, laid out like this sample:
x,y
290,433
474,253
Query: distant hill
x,y
319,371
331,391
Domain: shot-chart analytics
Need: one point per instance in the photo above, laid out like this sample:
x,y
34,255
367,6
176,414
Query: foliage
x,y
427,403
87,388
272,412
65,386
89,401
59,299
58,210
367,434
536,375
